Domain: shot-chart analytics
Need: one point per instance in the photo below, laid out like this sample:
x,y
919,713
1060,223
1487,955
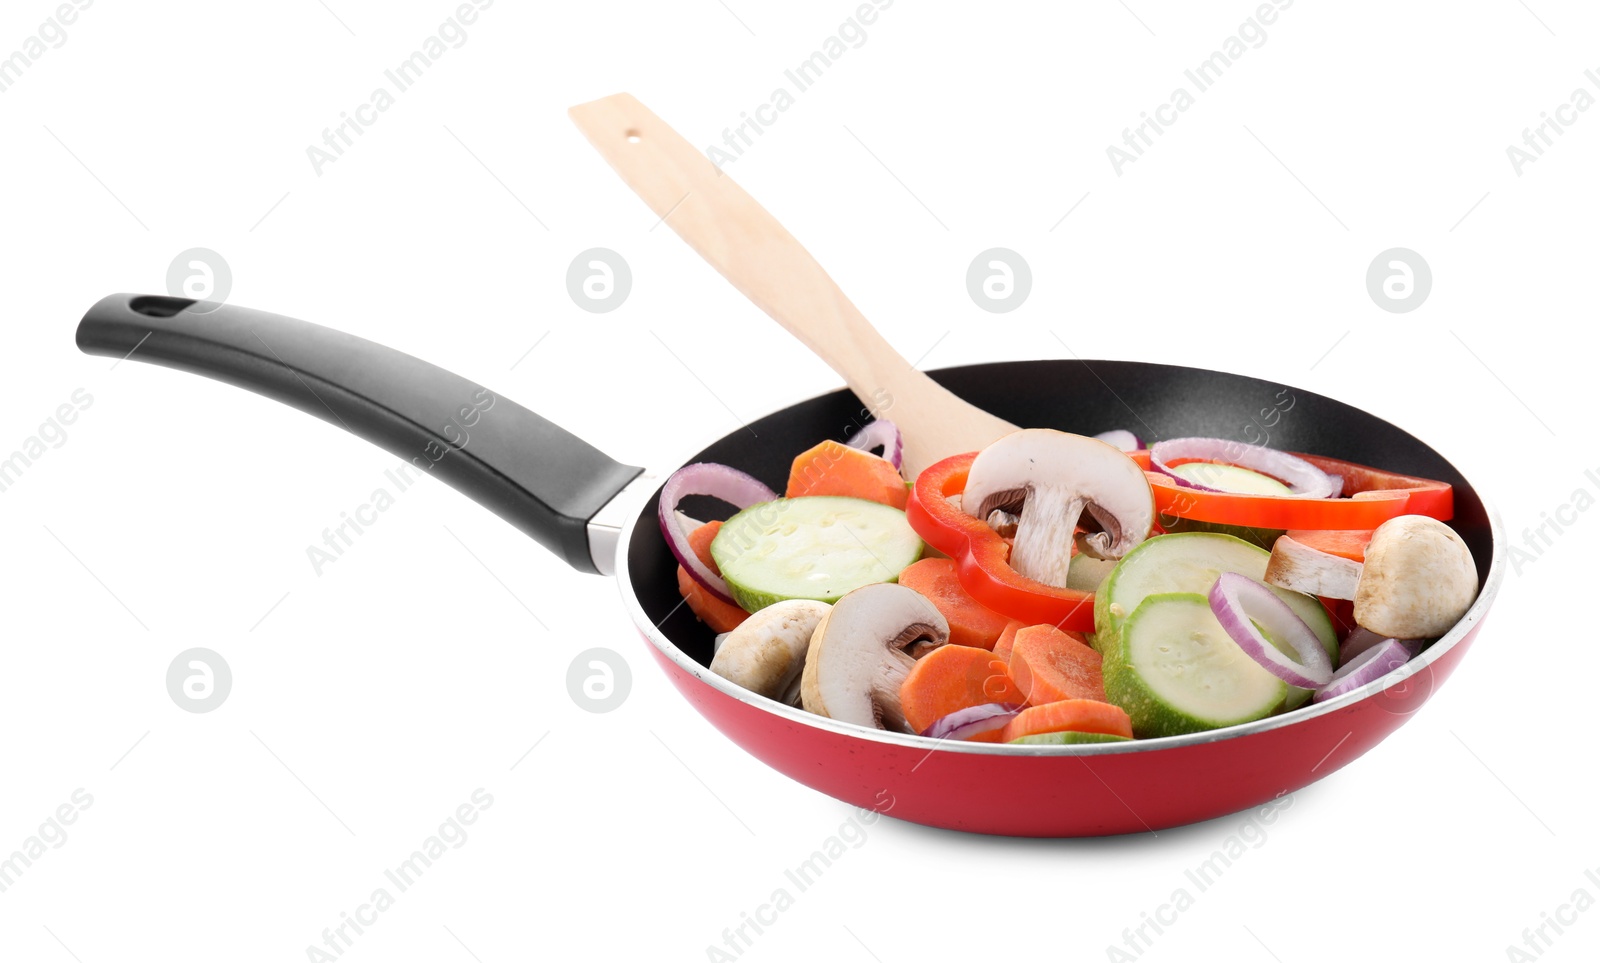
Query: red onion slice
x,y
1240,602
884,434
1303,478
1121,438
1361,640
973,720
1369,666
718,481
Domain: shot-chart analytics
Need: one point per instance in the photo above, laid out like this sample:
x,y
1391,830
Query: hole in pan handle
x,y
533,473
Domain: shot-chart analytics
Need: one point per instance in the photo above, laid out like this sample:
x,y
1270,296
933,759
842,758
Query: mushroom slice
x,y
1302,568
767,652
1418,579
862,650
1052,480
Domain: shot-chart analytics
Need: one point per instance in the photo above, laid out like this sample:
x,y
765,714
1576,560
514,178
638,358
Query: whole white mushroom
x,y
767,651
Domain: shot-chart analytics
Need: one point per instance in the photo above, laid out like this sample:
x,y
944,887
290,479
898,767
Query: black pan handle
x,y
536,475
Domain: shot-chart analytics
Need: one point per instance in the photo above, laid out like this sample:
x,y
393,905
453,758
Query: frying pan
x,y
600,516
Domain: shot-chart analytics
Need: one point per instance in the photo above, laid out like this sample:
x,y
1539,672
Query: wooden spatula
x,y
751,249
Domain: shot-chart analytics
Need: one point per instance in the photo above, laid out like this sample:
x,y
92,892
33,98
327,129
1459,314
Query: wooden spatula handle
x,y
764,261
740,239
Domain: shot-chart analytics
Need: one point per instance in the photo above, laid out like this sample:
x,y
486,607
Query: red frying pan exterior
x,y
1059,794
1068,791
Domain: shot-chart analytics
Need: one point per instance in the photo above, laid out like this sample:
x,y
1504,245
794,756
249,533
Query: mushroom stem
x,y
1045,528
1302,568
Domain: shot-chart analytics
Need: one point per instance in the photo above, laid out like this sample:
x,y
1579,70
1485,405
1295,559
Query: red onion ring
x,y
969,722
1121,438
1369,666
881,433
1240,602
718,481
1303,478
1360,640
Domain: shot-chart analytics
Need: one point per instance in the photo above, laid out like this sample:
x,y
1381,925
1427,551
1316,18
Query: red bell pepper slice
x,y
981,555
1375,496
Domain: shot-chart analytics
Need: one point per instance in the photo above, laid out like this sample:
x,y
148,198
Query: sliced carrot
x,y
1050,665
700,544
954,677
1073,715
1345,544
971,622
835,469
718,615
1008,637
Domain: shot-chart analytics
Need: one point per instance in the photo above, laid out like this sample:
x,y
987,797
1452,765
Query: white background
x,y
370,701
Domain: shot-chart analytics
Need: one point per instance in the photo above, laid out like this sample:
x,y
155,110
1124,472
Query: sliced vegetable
x,y
830,468
767,651
1293,473
971,622
862,651
975,723
700,537
1002,645
1176,671
1345,544
717,481
951,678
1360,640
1120,439
718,615
881,433
818,547
1241,603
1210,476
1300,568
1051,480
1420,496
1073,715
1050,665
1368,667
1085,573
1066,739
1375,496
1191,562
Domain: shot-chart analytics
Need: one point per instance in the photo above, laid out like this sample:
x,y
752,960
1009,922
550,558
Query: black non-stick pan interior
x,y
1153,401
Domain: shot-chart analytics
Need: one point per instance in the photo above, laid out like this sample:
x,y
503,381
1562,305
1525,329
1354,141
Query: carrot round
x,y
954,677
1008,637
1050,665
1073,715
700,544
718,615
971,622
831,468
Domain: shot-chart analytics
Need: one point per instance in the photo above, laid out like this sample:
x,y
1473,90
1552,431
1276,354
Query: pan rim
x,y
1486,595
